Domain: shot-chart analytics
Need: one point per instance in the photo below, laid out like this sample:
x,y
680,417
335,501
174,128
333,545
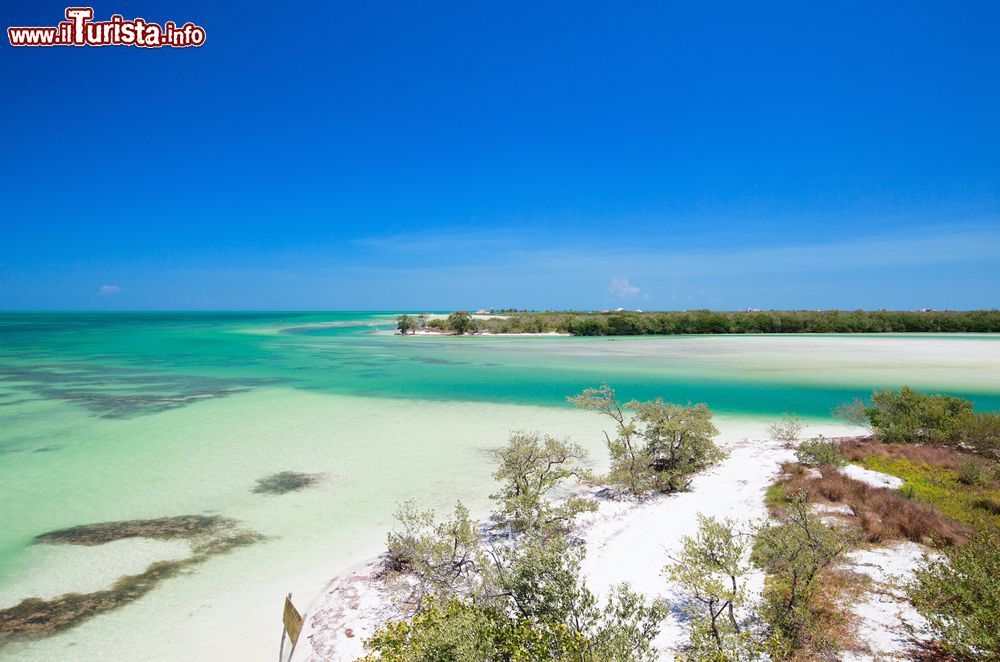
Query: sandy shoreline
x,y
425,332
631,542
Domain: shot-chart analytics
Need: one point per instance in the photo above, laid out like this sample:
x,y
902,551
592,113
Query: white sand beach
x,y
631,542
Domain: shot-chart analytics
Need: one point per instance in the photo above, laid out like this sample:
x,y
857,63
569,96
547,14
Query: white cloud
x,y
108,290
621,288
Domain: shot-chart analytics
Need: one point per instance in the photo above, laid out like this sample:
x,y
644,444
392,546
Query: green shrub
x,y
713,568
529,467
460,322
406,324
908,416
973,472
786,430
960,597
660,448
992,506
982,432
794,552
532,605
441,556
819,452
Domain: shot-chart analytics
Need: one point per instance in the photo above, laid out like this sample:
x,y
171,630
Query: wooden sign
x,y
292,620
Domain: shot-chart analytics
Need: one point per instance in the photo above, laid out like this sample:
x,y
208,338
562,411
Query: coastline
x,y
629,541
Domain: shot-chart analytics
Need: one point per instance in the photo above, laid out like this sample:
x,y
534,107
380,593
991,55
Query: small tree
x,y
678,441
787,430
854,412
661,448
712,568
406,324
529,467
460,322
820,451
631,465
960,597
794,551
441,556
540,581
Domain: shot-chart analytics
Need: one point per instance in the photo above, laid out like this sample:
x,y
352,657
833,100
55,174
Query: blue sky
x,y
431,155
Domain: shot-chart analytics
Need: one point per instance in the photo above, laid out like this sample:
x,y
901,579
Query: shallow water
x,y
121,416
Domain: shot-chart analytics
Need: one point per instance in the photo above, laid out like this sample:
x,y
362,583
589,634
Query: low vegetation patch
x,y
820,452
910,417
787,430
940,488
948,456
960,596
881,513
858,449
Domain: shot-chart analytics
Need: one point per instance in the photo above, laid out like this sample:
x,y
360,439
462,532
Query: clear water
x,y
120,416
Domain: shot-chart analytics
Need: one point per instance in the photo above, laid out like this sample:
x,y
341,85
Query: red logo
x,y
79,29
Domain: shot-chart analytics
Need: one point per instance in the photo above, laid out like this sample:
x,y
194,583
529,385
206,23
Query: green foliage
x,y
631,464
794,551
941,488
775,495
442,556
712,568
771,321
520,598
540,581
406,324
786,430
818,452
908,416
661,448
982,432
678,440
528,468
960,597
449,630
973,472
987,504
460,322
854,412
532,605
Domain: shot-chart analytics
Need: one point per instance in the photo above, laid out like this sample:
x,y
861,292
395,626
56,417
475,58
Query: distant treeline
x,y
629,323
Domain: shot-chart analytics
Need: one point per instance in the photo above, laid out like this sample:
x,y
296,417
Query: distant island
x,y
639,323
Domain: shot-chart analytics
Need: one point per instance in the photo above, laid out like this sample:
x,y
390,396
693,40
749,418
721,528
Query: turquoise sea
x,y
118,416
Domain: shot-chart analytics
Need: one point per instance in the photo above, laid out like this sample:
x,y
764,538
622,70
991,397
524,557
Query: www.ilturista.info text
x,y
79,29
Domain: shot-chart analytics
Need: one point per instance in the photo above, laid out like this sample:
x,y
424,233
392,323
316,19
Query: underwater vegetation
x,y
284,482
209,536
